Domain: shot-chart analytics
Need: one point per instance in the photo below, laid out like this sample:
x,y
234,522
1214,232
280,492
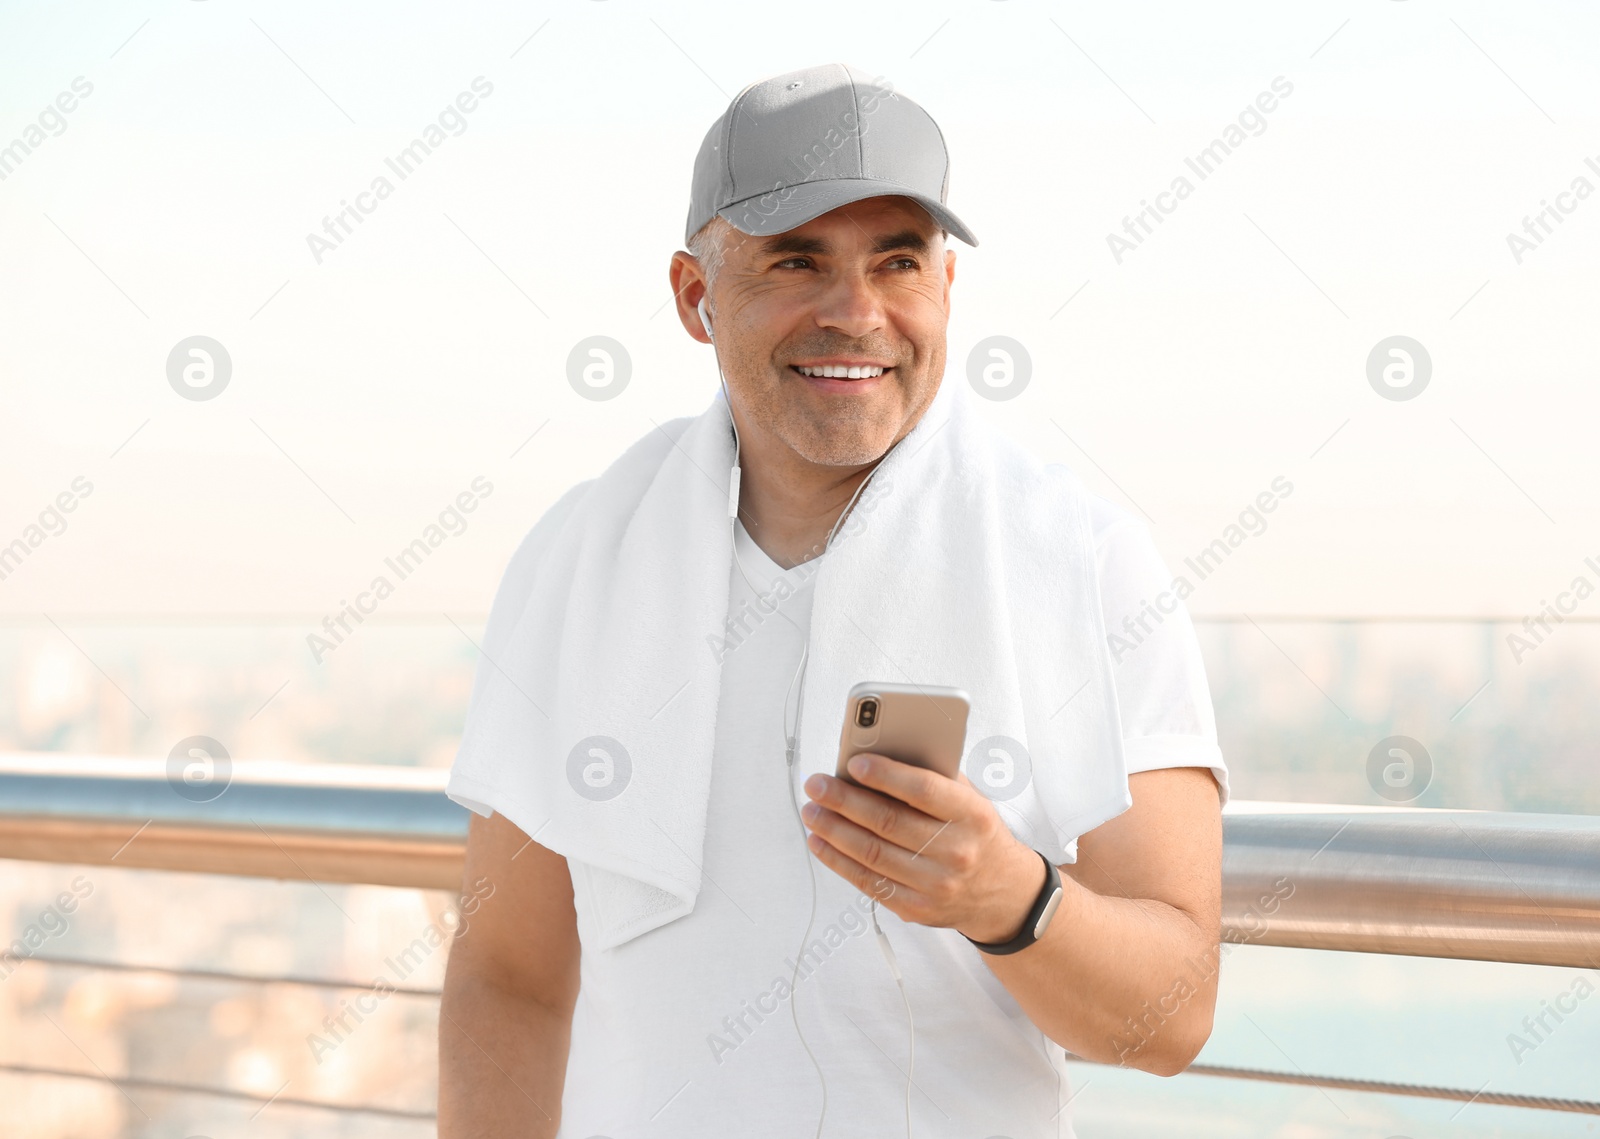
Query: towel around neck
x,y
965,562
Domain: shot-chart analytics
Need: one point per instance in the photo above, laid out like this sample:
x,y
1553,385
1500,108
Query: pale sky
x,y
369,390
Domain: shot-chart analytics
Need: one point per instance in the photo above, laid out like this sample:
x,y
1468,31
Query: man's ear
x,y
688,290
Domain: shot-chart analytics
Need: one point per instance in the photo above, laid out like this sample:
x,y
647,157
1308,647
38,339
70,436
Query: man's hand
x,y
1126,972
932,849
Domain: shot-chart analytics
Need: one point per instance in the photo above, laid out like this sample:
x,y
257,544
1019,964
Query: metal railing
x,y
1431,883
373,825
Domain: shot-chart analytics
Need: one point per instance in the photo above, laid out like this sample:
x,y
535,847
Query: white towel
x,y
966,562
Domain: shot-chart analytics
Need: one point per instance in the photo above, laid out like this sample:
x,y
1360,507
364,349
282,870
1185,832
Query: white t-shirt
x,y
688,1030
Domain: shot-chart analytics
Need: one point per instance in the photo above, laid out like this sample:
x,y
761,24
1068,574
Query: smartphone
x,y
920,724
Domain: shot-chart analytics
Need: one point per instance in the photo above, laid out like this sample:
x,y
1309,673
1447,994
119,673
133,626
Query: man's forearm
x,y
1121,980
502,1063
1126,971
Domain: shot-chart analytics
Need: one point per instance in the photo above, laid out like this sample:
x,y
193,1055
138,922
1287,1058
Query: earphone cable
x,y
794,978
796,688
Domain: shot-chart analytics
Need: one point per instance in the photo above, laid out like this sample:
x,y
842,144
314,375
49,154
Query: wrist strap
x,y
1033,927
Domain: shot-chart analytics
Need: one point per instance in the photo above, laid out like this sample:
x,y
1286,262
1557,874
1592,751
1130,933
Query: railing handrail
x,y
1484,885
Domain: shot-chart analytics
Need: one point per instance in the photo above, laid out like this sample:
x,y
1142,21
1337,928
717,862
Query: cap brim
x,y
779,211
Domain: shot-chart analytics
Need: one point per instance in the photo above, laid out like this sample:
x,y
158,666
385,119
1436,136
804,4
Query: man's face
x,y
866,286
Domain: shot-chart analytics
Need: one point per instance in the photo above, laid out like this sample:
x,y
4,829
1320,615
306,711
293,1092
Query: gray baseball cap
x,y
793,147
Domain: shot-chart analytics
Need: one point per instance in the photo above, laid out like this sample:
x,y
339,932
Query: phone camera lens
x,y
867,712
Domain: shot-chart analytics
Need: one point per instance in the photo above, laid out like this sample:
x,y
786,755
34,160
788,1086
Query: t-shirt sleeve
x,y
479,777
1163,700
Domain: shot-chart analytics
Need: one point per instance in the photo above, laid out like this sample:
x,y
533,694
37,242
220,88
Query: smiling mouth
x,y
840,371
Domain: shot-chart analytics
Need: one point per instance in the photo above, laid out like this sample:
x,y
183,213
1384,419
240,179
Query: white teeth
x,y
840,372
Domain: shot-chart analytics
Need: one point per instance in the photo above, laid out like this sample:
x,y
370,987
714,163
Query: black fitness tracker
x,y
1044,908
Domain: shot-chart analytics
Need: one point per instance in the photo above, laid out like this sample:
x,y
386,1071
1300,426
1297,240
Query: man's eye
x,y
908,264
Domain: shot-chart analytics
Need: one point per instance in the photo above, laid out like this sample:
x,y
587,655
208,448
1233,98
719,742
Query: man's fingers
x,y
878,855
882,814
892,895
929,792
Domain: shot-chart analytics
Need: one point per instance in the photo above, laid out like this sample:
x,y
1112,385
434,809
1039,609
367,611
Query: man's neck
x,y
789,505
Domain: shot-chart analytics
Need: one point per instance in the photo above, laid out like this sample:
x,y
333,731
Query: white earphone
x,y
705,318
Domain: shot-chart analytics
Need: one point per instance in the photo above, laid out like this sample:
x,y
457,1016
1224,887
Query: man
x,y
656,895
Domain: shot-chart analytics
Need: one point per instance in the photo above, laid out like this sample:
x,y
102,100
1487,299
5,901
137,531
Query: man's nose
x,y
851,306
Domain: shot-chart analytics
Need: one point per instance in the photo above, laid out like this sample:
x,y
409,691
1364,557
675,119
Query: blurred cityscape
x,y
1301,705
